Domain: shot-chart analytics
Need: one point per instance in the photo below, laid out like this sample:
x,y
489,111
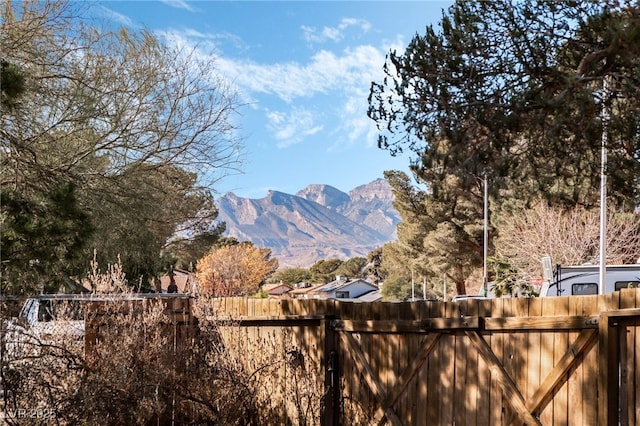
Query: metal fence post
x,y
331,406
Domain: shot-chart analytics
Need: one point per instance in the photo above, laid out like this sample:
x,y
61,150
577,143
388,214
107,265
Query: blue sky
x,y
303,71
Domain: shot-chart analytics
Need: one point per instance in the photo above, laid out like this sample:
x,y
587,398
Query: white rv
x,y
583,280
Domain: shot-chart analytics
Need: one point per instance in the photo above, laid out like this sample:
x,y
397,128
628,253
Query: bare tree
x,y
570,237
140,130
118,97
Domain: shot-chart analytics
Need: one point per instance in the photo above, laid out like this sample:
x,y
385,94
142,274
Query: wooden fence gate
x,y
538,361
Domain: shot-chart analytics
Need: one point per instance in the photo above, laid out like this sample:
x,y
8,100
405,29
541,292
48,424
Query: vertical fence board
x,y
411,312
461,397
560,346
509,359
636,367
422,391
590,367
608,351
546,356
496,414
632,300
484,402
472,372
434,370
521,346
377,348
398,363
414,348
373,355
575,381
447,367
627,392
533,352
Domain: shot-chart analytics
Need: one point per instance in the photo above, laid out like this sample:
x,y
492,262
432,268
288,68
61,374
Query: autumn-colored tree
x,y
235,270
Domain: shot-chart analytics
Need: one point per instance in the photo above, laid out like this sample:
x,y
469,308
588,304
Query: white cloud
x,y
344,76
357,125
117,17
312,35
179,4
325,72
207,43
290,128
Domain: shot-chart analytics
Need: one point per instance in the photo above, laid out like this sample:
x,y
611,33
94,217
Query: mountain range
x,y
318,222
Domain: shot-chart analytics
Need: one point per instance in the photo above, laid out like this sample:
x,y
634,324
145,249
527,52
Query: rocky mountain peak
x,y
379,188
325,195
319,222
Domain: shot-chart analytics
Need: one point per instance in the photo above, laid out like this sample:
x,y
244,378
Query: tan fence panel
x,y
539,361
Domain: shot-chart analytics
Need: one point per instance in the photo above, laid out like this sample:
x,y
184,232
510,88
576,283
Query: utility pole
x,y
485,277
603,185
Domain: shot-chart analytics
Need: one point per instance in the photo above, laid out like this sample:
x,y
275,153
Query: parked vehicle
x,y
51,318
45,319
584,280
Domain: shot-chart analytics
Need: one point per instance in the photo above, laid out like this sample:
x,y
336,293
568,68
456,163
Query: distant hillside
x,y
319,222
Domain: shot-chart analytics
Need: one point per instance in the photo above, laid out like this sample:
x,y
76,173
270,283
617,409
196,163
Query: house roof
x,y
372,296
273,286
303,290
341,284
277,288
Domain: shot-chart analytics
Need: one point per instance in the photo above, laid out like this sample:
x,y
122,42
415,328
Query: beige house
x,y
302,291
277,289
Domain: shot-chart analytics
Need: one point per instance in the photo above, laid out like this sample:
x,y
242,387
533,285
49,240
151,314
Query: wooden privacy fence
x,y
534,361
178,319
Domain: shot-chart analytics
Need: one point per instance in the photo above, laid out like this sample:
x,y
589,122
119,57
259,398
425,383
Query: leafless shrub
x,y
137,366
112,281
38,372
353,411
136,370
286,380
